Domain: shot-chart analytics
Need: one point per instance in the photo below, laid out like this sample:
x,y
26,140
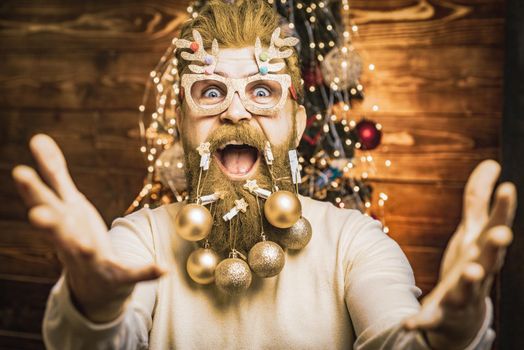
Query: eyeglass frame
x,y
234,85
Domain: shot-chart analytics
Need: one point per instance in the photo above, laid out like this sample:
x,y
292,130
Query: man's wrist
x,y
461,333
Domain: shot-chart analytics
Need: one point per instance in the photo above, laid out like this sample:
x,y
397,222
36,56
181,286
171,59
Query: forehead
x,y
236,62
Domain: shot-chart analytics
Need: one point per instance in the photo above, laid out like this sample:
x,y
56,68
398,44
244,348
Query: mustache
x,y
241,132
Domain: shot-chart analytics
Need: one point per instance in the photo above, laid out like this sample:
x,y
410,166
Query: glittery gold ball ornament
x,y
297,236
282,209
201,265
266,259
193,222
233,276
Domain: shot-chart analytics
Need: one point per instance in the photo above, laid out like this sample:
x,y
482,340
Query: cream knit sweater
x,y
348,289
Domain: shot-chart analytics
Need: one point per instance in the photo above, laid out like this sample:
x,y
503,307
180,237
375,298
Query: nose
x,y
236,112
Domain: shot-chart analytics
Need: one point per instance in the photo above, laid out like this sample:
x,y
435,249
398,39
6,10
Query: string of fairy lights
x,y
336,85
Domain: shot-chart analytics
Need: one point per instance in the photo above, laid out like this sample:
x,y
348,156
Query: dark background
x,y
77,70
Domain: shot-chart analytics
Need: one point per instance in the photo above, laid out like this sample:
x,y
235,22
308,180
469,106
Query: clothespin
x,y
205,155
240,206
211,198
293,162
268,153
252,187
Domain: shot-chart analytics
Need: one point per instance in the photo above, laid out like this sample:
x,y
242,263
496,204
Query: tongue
x,y
238,160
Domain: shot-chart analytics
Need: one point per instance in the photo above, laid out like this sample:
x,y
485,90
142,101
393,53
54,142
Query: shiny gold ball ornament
x,y
193,222
233,276
266,259
201,265
297,236
282,209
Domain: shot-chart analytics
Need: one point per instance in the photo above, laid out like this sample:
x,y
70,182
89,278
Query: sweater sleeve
x,y
380,291
66,328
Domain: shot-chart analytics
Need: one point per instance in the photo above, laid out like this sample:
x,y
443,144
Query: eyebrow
x,y
223,74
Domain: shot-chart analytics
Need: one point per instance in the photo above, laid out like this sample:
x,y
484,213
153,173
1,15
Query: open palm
x,y
453,312
99,283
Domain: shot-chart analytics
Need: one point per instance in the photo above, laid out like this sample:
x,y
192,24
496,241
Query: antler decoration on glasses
x,y
199,54
273,52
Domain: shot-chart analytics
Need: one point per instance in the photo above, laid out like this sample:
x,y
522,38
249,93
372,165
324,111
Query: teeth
x,y
233,142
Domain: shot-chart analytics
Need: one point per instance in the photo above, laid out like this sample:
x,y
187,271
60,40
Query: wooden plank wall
x,y
438,83
76,70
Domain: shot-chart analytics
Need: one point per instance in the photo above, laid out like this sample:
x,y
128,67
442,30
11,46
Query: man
x,y
350,287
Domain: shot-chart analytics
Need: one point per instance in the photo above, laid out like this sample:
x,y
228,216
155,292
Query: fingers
x,y
505,204
463,290
48,218
468,286
135,275
32,189
478,191
429,317
44,217
493,248
52,165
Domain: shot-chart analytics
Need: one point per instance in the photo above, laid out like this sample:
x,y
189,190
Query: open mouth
x,y
237,160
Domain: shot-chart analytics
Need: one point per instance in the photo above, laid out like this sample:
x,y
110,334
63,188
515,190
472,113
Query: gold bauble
x,y
193,222
282,209
266,259
233,276
201,265
297,236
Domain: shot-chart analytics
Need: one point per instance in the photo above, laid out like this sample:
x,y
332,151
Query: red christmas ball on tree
x,y
312,76
368,133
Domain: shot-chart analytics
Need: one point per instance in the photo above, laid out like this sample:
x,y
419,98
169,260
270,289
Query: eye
x,y
261,91
212,92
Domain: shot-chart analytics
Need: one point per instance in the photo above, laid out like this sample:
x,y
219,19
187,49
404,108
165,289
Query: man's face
x,y
237,139
277,128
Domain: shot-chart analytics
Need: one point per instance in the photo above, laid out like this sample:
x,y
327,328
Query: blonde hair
x,y
237,25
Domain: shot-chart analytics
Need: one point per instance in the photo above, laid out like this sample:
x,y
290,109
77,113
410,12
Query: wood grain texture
x,y
20,341
132,25
22,305
77,70
429,23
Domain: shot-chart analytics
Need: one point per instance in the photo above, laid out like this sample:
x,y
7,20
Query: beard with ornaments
x,y
241,225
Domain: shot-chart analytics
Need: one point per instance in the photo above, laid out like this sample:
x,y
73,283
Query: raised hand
x,y
452,314
99,283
